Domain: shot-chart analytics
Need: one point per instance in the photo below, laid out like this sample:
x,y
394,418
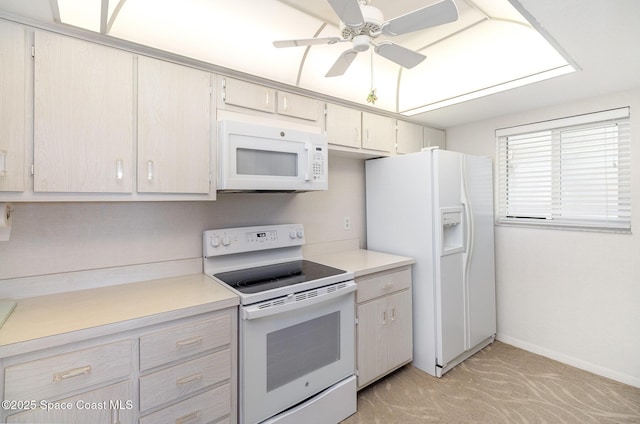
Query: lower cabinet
x,y
384,330
179,372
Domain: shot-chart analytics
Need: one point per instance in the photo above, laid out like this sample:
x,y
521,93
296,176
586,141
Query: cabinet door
x,y
249,95
371,341
108,405
83,116
409,137
298,106
13,74
434,137
343,126
378,132
174,128
399,328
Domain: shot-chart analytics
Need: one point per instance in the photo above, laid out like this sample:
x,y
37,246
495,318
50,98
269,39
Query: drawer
x,y
60,374
202,408
107,405
382,283
181,380
183,341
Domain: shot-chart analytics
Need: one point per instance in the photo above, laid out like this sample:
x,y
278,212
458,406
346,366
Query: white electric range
x,y
296,325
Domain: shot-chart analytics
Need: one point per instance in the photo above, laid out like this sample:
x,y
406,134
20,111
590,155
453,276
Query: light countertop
x,y
361,262
147,302
44,321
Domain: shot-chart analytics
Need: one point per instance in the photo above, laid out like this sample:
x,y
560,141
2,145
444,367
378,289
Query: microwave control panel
x,y
318,165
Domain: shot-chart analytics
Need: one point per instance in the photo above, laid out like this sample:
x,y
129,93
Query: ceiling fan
x,y
362,23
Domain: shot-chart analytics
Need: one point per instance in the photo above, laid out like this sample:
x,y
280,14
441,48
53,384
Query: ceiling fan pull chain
x,y
372,97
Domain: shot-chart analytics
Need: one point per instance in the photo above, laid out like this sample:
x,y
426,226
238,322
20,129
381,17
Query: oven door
x,y
293,348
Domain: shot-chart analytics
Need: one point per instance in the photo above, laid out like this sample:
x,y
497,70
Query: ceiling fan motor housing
x,y
373,20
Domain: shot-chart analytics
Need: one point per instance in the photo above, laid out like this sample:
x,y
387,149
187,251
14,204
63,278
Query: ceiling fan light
x,y
361,43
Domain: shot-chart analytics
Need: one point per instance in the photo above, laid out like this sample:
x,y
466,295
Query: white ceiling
x,y
599,37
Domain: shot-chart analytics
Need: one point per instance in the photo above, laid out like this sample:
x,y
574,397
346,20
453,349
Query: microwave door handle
x,y
307,174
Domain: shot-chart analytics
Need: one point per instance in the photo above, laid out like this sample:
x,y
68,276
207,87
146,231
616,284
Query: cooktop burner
x,y
268,277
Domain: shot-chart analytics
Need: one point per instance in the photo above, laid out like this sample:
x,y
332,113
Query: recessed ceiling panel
x,y
236,35
486,55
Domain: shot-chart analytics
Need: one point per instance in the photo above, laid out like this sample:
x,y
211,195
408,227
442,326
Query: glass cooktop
x,y
268,277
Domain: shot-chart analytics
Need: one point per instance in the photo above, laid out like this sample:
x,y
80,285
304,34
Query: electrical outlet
x,y
346,223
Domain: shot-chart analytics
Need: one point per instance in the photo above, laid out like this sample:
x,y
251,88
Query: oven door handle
x,y
291,302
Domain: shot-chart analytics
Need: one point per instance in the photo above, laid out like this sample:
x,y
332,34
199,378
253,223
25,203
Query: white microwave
x,y
255,157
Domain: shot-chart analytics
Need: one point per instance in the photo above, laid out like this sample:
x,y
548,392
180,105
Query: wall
x,y
50,238
570,295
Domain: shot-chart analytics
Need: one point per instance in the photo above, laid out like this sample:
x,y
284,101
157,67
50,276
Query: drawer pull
x,y
387,286
65,375
189,417
186,380
189,342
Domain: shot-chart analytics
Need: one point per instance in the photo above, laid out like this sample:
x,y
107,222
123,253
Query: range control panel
x,y
227,241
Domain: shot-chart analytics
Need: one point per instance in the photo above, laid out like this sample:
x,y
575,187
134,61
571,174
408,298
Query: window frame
x,y
537,158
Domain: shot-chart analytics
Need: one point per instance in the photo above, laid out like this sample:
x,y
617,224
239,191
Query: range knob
x,y
299,233
215,241
226,241
292,234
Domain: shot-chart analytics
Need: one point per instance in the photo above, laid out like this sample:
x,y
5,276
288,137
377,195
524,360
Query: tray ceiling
x,y
491,47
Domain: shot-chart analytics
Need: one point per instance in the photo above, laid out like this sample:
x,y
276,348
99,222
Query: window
x,y
570,172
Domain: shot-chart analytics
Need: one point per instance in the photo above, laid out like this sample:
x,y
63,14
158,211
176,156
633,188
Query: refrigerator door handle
x,y
468,250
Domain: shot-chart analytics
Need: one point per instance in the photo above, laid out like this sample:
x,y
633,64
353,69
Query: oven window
x,y
298,350
266,162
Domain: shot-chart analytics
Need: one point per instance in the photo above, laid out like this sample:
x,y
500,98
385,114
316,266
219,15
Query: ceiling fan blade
x,y
436,14
307,42
348,11
342,64
398,54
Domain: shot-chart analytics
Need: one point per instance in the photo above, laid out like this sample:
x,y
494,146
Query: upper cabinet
x,y
378,132
13,100
83,116
174,128
247,97
434,137
409,137
344,126
298,106
363,131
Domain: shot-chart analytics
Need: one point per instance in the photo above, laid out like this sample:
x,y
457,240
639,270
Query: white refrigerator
x,y
437,206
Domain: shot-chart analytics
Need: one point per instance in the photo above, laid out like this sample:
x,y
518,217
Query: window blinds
x,y
570,172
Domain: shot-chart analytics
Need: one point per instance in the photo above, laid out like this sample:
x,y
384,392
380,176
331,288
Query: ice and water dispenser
x,y
452,230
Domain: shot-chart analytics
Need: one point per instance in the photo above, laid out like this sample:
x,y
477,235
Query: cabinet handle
x,y
387,286
65,375
393,313
284,102
189,342
189,417
266,99
3,163
190,379
357,133
384,318
115,416
119,170
150,170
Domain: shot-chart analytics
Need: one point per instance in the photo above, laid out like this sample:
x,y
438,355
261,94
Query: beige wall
x,y
570,295
49,238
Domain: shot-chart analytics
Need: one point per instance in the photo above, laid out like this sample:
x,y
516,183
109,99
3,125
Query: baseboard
x,y
570,360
